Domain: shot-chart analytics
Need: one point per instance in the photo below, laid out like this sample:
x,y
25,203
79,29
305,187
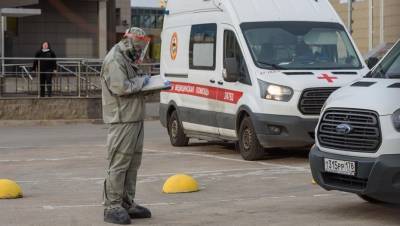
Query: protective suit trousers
x,y
125,148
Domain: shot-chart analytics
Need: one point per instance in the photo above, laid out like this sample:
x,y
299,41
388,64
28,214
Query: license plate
x,y
340,167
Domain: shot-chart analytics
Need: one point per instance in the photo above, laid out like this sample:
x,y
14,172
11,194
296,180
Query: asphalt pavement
x,y
61,170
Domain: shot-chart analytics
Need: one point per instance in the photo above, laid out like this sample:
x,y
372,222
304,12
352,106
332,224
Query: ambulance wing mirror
x,y
231,70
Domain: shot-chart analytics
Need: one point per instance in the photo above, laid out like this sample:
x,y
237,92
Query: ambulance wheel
x,y
175,131
370,200
249,146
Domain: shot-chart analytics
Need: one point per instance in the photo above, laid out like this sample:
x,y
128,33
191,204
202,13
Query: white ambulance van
x,y
257,72
358,145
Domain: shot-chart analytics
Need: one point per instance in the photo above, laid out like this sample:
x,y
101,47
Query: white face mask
x,y
45,50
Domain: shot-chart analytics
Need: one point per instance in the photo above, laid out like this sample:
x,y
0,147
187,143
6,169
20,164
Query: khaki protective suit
x,y
123,110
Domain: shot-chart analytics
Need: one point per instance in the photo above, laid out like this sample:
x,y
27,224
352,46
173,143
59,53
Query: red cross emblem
x,y
328,78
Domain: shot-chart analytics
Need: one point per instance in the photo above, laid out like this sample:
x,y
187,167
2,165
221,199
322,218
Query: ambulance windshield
x,y
300,45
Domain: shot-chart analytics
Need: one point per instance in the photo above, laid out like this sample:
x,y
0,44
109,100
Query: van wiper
x,y
274,66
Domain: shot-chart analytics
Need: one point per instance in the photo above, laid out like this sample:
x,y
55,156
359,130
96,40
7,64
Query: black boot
x,y
137,212
117,215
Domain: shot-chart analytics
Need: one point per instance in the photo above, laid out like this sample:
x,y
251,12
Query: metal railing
x,y
73,77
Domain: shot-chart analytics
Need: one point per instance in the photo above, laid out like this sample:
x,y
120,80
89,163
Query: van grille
x,y
312,100
364,135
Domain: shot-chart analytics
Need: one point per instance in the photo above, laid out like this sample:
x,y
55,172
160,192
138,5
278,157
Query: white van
x,y
257,72
358,145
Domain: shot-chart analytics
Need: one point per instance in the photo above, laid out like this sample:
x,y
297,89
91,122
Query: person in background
x,y
123,110
45,69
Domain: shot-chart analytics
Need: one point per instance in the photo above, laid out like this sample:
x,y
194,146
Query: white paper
x,y
155,83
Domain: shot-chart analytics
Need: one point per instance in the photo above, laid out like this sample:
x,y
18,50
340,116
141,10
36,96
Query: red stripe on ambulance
x,y
209,92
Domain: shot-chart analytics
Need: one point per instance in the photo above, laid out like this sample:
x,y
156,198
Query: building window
x,y
203,47
147,18
118,16
159,21
149,21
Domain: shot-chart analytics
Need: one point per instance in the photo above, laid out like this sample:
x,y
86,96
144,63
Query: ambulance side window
x,y
203,47
232,50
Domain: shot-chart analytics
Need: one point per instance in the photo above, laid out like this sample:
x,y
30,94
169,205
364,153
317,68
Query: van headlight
x,y
275,92
396,120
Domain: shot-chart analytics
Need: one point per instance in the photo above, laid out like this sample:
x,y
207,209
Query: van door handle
x,y
220,82
212,80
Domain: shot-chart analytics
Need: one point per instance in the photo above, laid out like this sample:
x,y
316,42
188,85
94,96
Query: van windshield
x,y
390,65
300,45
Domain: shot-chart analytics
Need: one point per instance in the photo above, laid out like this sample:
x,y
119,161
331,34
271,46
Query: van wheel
x,y
175,131
370,199
249,146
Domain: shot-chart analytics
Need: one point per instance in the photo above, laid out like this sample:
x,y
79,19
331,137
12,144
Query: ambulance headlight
x,y
396,120
275,92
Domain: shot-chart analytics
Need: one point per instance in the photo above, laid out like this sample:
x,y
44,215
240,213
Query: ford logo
x,y
344,129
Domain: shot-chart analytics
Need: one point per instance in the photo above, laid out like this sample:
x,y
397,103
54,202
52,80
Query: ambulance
x,y
253,72
358,136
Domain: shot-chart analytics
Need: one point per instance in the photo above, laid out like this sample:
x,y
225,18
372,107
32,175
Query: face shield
x,y
141,45
138,44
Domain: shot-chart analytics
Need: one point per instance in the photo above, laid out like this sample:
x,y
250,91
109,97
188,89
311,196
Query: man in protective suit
x,y
123,110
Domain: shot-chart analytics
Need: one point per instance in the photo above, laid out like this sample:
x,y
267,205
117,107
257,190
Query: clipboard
x,y
156,84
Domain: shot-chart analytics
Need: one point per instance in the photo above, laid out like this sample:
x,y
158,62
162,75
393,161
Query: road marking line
x,y
297,168
323,195
55,207
205,172
70,206
194,173
55,146
50,207
59,180
45,159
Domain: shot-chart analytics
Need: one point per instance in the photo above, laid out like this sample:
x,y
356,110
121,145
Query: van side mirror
x,y
231,70
371,62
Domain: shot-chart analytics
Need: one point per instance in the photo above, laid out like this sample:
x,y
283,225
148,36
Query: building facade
x,y
123,16
88,28
75,28
375,22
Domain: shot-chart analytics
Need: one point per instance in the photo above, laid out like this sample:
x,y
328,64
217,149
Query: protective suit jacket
x,y
122,100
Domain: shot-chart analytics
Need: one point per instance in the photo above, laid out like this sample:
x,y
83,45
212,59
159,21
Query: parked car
x,y
358,136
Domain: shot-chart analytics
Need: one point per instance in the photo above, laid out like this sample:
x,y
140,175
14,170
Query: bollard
x,y
9,189
180,183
